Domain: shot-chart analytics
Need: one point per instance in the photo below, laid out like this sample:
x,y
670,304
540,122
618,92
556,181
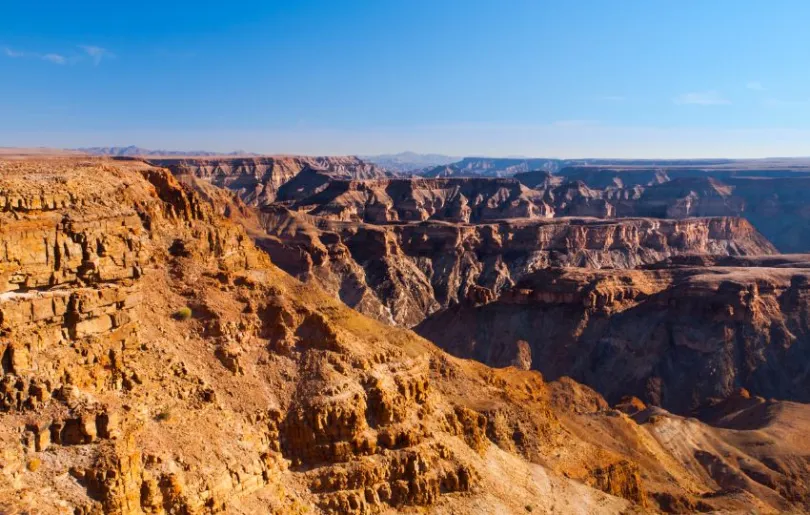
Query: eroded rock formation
x,y
402,272
269,396
155,361
675,335
257,180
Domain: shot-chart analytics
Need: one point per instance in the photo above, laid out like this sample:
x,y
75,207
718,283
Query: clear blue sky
x,y
557,78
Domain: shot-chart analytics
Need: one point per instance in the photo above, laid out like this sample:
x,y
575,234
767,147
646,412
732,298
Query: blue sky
x,y
565,79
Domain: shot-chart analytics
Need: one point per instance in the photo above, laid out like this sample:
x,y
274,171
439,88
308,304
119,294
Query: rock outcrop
x,y
155,361
773,200
676,335
491,167
260,395
402,272
257,180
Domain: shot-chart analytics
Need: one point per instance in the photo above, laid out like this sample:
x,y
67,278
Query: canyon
x,y
675,334
402,272
177,336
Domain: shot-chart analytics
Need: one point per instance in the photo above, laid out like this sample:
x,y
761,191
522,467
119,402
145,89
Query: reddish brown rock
x,y
274,397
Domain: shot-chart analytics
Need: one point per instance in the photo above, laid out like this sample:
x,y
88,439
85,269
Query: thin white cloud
x,y
704,98
12,53
755,85
96,53
49,57
54,58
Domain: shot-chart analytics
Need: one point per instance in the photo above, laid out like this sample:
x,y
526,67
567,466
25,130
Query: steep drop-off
x,y
773,200
676,335
402,272
266,395
768,193
257,179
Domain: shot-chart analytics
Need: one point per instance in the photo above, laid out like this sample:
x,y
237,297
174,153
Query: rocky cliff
x,y
767,193
776,206
155,361
402,272
257,179
676,335
773,200
455,200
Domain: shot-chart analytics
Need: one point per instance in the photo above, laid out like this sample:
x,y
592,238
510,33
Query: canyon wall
x,y
768,194
155,361
675,335
772,200
402,272
257,179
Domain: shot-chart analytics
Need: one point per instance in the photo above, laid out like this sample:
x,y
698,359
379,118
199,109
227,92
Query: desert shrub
x,y
183,313
163,416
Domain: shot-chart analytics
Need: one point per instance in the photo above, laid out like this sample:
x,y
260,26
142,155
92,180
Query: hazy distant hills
x,y
508,167
492,167
132,151
444,166
409,162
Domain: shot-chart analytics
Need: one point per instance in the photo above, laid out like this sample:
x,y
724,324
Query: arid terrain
x,y
286,334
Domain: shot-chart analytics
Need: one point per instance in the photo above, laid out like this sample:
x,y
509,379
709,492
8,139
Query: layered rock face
x,y
267,395
454,200
257,179
270,396
677,335
401,273
772,200
768,194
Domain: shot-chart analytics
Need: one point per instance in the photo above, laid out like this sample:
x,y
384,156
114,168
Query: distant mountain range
x,y
440,165
132,151
409,162
491,167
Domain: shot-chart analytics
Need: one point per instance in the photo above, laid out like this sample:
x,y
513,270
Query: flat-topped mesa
x,y
674,336
402,272
257,180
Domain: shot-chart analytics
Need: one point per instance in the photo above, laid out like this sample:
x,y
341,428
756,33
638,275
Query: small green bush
x,y
163,416
183,313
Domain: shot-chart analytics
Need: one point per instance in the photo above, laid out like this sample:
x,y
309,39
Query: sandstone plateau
x,y
156,360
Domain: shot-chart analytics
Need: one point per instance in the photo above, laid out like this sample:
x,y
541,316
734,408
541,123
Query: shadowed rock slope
x,y
677,334
402,272
257,180
267,395
774,200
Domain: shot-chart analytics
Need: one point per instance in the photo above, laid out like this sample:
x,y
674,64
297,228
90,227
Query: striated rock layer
x,y
257,180
675,335
774,201
401,273
154,361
